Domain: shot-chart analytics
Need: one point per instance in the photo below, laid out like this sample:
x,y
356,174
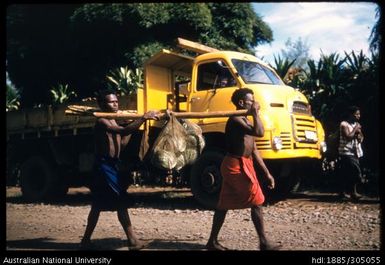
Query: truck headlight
x,y
323,147
277,143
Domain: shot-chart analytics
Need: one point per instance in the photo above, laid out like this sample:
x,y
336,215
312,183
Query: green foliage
x,y
195,17
12,99
124,80
144,51
297,78
61,94
333,83
39,49
356,63
236,27
153,14
80,43
325,85
375,37
282,66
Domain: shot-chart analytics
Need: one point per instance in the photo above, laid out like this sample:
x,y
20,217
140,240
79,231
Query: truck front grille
x,y
286,140
301,124
301,108
263,144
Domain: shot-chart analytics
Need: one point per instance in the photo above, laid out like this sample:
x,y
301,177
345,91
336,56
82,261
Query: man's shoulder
x,y
102,120
235,119
344,123
98,121
101,123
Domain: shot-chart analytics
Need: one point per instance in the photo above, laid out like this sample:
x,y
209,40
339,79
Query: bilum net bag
x,y
194,142
177,145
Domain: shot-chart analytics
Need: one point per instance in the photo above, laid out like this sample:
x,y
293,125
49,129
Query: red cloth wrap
x,y
240,186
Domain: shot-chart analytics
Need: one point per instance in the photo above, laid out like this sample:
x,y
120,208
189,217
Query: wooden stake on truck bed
x,y
194,46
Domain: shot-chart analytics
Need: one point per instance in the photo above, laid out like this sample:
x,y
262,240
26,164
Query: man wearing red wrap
x,y
240,186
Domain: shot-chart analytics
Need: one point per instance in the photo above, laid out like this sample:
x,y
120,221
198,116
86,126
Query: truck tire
x,y
39,180
287,185
286,181
206,178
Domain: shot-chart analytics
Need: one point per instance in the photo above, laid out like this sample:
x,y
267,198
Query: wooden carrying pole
x,y
182,115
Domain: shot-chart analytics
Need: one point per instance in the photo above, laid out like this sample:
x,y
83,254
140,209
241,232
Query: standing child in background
x,y
350,152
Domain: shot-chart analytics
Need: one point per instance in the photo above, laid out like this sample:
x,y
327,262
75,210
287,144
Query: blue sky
x,y
327,26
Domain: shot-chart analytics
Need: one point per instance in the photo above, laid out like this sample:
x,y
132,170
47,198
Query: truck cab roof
x,y
228,55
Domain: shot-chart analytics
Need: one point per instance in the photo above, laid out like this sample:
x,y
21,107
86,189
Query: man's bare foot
x,y
269,247
86,245
215,246
137,244
355,196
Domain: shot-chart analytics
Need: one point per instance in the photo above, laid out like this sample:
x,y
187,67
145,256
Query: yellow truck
x,y
293,137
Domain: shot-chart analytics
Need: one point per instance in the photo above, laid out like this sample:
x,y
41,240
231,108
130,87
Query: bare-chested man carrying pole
x,y
240,187
108,188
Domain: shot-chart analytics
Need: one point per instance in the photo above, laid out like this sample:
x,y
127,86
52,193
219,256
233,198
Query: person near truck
x,y
240,187
350,151
108,188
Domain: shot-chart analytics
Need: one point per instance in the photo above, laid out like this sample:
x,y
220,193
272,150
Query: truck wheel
x,y
288,185
13,175
286,180
206,178
39,181
185,175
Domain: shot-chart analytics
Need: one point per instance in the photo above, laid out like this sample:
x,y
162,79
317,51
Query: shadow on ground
x,y
45,243
181,244
184,200
101,244
323,197
174,199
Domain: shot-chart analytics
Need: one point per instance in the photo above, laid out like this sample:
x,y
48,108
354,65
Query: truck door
x,y
161,71
214,87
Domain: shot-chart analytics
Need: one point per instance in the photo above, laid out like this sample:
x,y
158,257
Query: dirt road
x,y
170,219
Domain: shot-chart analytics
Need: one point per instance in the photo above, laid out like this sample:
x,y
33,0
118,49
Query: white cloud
x,y
327,26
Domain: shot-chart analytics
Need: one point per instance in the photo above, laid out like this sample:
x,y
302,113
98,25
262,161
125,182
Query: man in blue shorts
x,y
108,188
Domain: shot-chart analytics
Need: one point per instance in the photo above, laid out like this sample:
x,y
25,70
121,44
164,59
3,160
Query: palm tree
x,y
332,74
362,83
325,87
356,63
282,66
375,37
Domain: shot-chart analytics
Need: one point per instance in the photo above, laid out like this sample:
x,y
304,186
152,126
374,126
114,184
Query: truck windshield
x,y
253,73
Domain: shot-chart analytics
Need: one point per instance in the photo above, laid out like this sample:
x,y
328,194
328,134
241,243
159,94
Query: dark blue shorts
x,y
108,188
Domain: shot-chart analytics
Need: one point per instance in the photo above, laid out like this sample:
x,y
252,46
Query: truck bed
x,y
53,120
